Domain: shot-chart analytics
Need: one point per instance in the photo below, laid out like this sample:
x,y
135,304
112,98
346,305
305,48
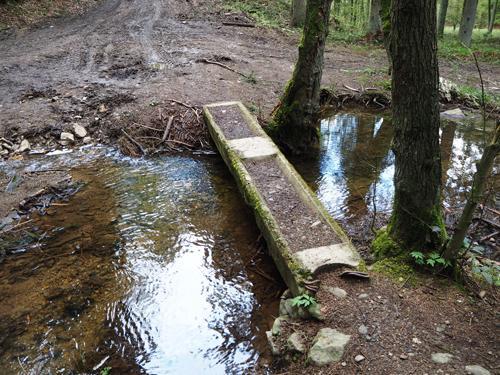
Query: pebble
x,y
482,293
416,340
441,358
359,358
87,140
65,136
476,370
24,146
363,296
337,292
403,356
363,330
79,130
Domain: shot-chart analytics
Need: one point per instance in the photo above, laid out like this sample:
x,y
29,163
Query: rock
x,y
67,137
328,347
441,328
453,114
476,370
24,146
79,130
363,330
363,296
359,358
276,329
446,88
272,344
337,292
416,340
403,356
296,312
295,343
482,293
441,358
87,140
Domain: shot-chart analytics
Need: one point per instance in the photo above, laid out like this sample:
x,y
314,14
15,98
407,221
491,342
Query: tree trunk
x,y
491,21
385,15
480,177
443,8
416,221
295,123
375,22
468,21
298,13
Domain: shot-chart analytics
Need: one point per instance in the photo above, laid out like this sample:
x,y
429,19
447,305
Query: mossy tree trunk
x,y
416,221
295,123
480,177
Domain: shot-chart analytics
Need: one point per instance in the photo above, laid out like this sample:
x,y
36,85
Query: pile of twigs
x,y
369,98
178,127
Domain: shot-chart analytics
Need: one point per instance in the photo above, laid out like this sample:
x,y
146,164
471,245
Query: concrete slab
x,y
334,255
296,268
253,147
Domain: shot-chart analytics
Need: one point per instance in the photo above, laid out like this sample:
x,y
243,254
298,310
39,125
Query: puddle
x,y
355,161
148,269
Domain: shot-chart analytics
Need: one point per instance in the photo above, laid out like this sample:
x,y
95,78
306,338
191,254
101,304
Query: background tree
x,y
492,16
385,15
443,9
375,22
298,13
416,221
295,123
468,21
484,168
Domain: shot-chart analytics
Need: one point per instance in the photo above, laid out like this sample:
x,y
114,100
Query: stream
x,y
156,265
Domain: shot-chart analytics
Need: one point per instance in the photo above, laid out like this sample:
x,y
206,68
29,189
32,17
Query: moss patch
x,y
384,245
396,268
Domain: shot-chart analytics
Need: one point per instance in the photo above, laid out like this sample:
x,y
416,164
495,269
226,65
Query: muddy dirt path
x,y
126,55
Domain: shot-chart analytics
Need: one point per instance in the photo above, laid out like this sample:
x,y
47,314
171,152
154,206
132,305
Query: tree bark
x,y
468,21
491,21
443,9
298,13
295,123
375,22
416,221
484,168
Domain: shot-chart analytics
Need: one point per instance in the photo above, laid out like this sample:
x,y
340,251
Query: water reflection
x,y
168,244
355,161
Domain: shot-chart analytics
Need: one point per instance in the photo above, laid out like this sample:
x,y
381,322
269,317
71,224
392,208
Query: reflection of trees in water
x,y
364,154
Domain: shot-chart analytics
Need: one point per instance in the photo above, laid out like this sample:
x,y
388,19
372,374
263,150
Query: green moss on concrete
x,y
383,245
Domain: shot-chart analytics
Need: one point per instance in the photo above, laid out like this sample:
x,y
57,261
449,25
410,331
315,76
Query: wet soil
x,y
407,321
121,61
302,227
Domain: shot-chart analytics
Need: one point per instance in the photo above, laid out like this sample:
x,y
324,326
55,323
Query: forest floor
x,y
126,63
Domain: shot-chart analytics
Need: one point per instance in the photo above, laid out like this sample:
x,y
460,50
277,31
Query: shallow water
x,y
355,164
154,266
150,268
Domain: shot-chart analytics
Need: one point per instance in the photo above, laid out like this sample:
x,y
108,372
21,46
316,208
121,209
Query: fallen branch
x,y
240,24
167,129
350,88
206,61
134,142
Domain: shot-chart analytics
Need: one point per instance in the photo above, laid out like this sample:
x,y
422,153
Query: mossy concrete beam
x,y
295,268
